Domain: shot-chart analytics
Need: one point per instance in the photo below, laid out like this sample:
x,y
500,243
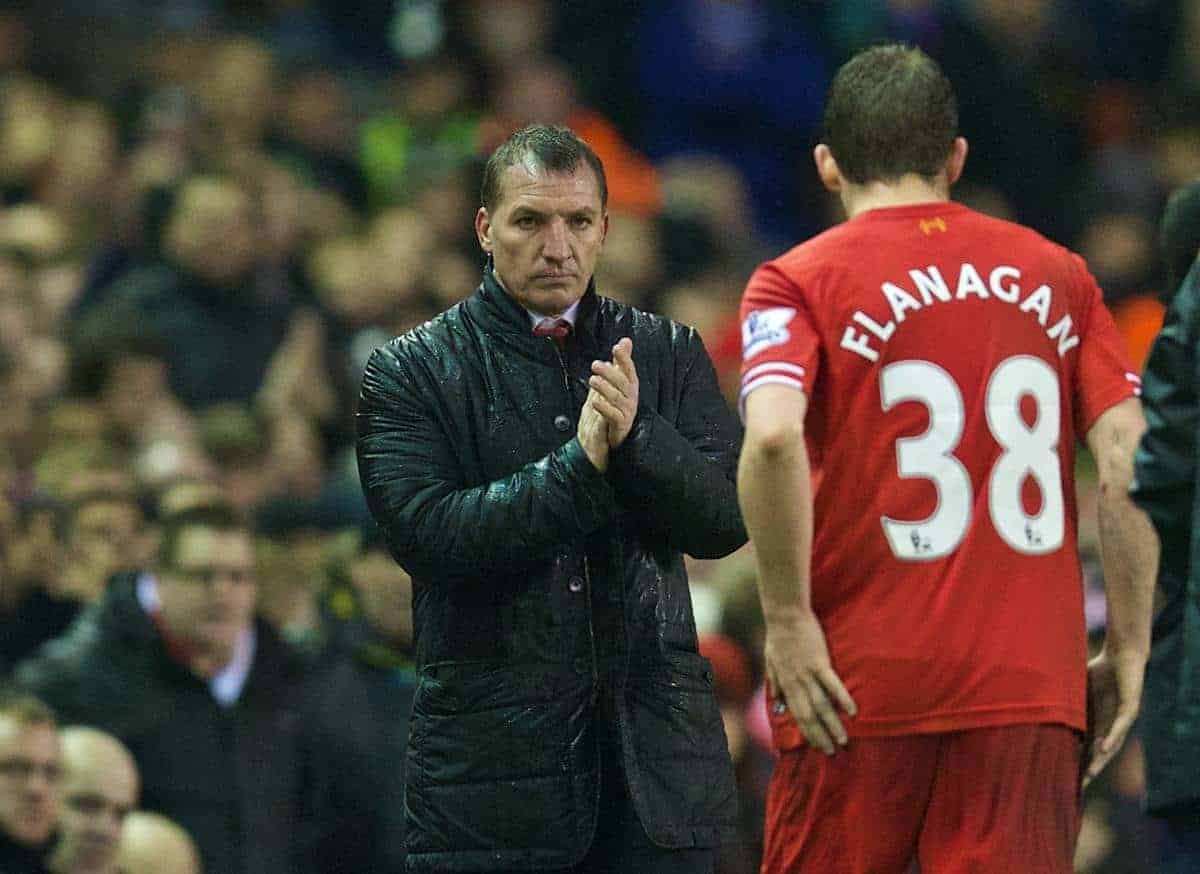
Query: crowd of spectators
x,y
212,211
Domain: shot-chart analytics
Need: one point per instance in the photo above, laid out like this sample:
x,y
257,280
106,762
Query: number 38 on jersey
x,y
1027,451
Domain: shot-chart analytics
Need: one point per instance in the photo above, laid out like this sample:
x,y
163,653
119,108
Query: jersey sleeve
x,y
780,343
1105,375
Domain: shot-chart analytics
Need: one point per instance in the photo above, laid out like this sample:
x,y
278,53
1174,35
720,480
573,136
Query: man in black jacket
x,y
539,458
30,765
221,716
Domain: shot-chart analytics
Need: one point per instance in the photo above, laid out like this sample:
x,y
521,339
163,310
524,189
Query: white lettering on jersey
x,y
764,329
900,301
1038,302
1007,293
930,284
1061,331
970,282
1003,283
859,343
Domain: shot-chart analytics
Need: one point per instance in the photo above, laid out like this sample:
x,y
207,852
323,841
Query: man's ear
x,y
957,160
483,229
827,168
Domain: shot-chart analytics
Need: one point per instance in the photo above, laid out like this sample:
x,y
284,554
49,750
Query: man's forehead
x,y
27,738
528,183
203,541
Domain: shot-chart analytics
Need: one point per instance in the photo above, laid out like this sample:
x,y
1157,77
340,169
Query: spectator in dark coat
x,y
30,762
216,709
208,302
369,610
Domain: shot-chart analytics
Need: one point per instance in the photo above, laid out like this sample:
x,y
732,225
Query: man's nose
x,y
556,246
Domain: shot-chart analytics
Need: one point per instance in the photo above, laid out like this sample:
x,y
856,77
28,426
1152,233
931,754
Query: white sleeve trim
x,y
770,379
759,369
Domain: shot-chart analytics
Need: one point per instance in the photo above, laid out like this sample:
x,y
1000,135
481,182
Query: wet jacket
x,y
541,584
1166,480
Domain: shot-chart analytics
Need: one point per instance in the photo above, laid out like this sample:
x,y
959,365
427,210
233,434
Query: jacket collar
x,y
502,312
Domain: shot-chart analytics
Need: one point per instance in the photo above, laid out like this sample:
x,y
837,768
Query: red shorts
x,y
1001,800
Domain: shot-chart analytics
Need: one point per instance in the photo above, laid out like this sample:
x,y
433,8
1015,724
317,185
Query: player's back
x,y
951,361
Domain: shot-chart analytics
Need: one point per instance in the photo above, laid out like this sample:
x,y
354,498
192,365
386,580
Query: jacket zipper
x,y
587,573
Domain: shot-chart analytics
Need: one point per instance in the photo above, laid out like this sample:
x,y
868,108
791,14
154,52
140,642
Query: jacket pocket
x,y
682,782
495,748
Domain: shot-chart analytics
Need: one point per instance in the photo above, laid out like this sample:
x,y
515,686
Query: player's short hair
x,y
554,148
890,111
1179,235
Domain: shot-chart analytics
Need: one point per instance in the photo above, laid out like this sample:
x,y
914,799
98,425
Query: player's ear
x,y
827,168
483,229
957,160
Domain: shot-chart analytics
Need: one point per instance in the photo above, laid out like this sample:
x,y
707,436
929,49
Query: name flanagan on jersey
x,y
1003,284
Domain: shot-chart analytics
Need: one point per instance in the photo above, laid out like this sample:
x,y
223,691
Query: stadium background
x,y
309,168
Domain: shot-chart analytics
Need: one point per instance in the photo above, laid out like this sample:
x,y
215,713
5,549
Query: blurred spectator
x,y
857,24
99,789
743,80
78,546
175,665
30,765
318,133
542,90
734,684
153,844
219,327
1119,250
1020,71
239,90
372,670
429,130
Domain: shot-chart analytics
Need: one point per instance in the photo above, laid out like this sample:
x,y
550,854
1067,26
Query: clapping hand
x,y
614,391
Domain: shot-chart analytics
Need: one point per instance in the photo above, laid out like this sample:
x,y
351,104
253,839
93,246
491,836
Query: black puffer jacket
x,y
539,582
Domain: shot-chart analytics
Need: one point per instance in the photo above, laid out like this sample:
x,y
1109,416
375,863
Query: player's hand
x,y
593,432
801,678
1114,697
616,382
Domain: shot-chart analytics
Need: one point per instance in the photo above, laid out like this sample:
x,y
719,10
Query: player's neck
x,y
910,190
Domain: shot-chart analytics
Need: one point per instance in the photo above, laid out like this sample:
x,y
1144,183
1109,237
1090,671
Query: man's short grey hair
x,y
551,148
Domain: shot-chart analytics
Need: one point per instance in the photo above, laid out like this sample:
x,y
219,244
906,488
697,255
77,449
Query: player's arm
x,y
1129,554
775,492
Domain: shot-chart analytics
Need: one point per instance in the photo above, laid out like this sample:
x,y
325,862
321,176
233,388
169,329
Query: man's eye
x,y
526,222
581,221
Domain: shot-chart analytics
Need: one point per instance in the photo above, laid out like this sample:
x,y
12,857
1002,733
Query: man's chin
x,y
553,299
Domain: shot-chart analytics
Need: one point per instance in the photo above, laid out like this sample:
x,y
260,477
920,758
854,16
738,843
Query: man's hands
x,y
593,434
1114,697
801,677
614,391
611,405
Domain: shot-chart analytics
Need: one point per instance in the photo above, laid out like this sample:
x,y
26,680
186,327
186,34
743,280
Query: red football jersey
x,y
951,361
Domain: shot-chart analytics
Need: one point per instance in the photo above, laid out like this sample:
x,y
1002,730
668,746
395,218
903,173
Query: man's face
x,y
545,234
29,774
208,590
96,798
105,536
